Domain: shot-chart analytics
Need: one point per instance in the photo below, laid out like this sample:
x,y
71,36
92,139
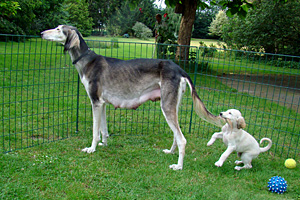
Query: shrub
x,y
141,31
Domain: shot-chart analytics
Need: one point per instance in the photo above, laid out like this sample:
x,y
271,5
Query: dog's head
x,y
69,36
234,118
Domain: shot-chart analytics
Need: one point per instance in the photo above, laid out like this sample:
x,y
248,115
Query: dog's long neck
x,y
80,55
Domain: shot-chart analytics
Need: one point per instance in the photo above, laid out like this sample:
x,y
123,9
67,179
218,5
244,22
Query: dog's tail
x,y
268,146
201,110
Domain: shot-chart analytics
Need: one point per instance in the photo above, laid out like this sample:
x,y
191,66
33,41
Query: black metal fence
x,y
44,101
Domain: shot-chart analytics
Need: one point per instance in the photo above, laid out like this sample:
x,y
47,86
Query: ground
x,y
278,88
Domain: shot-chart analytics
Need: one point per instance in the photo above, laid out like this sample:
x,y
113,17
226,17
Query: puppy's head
x,y
67,35
234,118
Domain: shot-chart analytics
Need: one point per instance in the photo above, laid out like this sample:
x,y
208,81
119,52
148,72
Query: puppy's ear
x,y
241,123
72,40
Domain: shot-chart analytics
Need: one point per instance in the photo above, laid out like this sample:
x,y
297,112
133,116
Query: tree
x,y
31,17
216,26
101,11
202,22
189,8
79,16
124,18
8,8
272,27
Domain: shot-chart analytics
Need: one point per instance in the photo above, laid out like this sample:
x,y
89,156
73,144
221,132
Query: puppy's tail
x,y
201,110
268,146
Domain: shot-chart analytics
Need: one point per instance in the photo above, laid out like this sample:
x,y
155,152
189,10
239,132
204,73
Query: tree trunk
x,y
186,27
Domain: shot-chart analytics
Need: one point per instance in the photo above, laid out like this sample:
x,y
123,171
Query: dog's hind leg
x,y
173,147
170,99
97,110
246,159
103,127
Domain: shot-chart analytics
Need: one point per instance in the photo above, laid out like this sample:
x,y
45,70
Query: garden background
x,y
44,103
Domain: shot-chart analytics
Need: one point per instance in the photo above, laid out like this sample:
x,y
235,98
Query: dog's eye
x,y
57,29
229,113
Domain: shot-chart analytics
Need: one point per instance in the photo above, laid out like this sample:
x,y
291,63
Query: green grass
x,y
38,86
194,41
134,167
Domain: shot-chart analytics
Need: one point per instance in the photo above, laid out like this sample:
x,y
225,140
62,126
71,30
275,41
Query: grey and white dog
x,y
128,84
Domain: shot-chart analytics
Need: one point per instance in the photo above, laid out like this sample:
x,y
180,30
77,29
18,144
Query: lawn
x,y
39,105
194,41
134,167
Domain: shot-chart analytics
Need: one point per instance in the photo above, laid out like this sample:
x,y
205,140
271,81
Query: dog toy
x,y
290,163
277,184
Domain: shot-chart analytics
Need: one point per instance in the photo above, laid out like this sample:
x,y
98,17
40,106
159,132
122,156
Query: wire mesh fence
x,y
44,101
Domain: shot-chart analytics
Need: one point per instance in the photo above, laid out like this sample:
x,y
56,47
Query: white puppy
x,y
238,140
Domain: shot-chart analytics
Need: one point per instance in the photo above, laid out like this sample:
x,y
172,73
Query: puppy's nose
x,y
221,114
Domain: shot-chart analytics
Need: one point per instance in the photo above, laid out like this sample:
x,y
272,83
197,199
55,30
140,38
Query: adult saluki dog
x,y
128,84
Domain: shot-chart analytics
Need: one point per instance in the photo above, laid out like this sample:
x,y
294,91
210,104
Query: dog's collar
x,y
81,56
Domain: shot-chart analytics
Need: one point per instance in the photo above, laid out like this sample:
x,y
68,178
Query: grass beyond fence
x,y
43,101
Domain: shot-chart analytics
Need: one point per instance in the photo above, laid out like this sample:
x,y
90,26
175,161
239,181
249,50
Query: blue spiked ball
x,y
277,184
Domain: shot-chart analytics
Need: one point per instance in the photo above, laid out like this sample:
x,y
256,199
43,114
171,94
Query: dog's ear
x,y
72,40
241,123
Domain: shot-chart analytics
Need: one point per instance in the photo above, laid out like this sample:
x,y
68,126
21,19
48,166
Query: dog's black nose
x,y
221,114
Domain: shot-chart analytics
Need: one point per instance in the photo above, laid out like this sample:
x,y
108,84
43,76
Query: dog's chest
x,y
229,137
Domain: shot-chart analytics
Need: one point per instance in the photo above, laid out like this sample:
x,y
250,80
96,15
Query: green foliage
x,y
124,18
141,31
102,11
119,22
203,20
216,26
173,23
206,51
79,16
8,7
271,28
239,7
32,17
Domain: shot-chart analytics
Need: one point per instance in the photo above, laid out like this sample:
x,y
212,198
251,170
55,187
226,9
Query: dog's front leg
x,y
224,156
97,110
218,135
103,127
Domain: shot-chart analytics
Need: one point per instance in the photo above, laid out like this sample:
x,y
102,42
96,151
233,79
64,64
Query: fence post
x,y
77,107
195,78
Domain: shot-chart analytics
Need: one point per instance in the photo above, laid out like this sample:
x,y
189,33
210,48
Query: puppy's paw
x,y
175,167
238,168
210,143
237,162
88,150
167,151
219,163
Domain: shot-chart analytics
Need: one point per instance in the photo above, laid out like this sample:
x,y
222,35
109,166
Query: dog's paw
x,y
209,143
218,164
175,167
237,162
102,144
88,150
167,151
238,168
